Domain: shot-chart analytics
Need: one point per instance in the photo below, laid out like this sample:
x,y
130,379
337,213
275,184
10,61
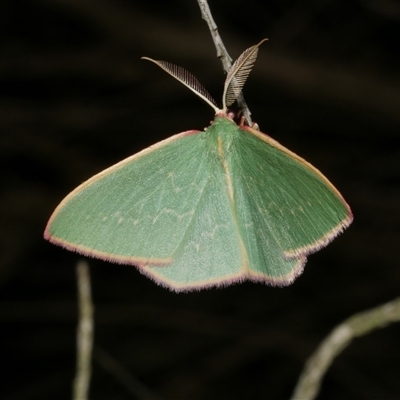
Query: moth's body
x,y
204,208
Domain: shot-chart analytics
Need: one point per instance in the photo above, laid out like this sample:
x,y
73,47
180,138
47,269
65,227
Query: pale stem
x,y
222,53
84,333
359,324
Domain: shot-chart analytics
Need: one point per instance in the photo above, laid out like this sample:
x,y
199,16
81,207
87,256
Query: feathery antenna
x,y
238,74
189,80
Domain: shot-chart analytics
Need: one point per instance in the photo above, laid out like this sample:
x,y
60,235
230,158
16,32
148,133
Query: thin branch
x,y
222,53
84,333
358,325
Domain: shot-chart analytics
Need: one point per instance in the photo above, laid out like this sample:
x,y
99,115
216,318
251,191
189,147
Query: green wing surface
x,y
300,208
285,208
205,208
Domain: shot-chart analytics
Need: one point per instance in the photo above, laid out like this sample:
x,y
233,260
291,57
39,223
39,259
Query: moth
x,y
206,208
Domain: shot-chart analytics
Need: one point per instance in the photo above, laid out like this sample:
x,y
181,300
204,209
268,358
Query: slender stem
x,y
84,333
358,325
222,53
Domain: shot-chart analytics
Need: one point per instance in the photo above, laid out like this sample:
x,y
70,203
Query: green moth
x,y
205,208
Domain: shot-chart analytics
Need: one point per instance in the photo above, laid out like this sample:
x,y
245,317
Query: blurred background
x,y
76,98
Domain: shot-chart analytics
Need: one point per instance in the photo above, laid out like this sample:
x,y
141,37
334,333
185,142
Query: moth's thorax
x,y
224,126
221,132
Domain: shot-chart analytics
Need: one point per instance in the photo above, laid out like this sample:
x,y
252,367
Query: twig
x,y
222,53
84,333
358,325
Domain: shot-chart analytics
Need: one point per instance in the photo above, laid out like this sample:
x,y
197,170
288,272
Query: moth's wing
x,y
165,209
299,210
136,211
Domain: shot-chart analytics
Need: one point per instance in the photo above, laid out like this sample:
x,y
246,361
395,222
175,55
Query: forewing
x,y
165,209
297,206
138,210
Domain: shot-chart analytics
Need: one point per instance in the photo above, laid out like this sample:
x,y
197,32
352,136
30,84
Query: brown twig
x,y
359,324
222,53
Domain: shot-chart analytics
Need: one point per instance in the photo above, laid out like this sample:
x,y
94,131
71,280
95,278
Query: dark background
x,y
76,98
